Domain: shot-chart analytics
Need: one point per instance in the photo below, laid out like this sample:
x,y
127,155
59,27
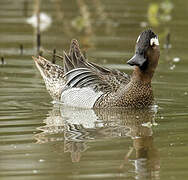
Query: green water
x,y
39,140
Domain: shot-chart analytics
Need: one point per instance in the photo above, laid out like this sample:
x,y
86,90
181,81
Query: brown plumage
x,y
99,87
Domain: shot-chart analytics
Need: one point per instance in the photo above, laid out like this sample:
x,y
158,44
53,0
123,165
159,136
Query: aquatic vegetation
x,y
159,12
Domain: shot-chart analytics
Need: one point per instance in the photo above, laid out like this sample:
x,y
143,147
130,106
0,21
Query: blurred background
x,y
36,143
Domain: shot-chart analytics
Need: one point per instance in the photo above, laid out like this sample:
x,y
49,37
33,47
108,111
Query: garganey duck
x,y
80,83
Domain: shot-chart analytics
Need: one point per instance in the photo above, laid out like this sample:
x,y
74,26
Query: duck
x,y
84,84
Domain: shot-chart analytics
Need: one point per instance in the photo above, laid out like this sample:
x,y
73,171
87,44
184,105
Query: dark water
x,y
40,140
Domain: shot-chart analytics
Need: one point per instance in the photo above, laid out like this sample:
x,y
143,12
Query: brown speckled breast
x,y
134,95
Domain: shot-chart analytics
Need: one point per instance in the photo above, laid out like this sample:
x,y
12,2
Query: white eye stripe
x,y
154,41
138,39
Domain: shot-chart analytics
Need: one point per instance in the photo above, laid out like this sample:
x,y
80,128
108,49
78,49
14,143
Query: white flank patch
x,y
154,41
80,97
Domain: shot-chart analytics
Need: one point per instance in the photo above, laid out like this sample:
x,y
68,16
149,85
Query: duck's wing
x,y
80,73
85,77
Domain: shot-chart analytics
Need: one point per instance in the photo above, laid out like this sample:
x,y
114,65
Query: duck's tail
x,y
52,75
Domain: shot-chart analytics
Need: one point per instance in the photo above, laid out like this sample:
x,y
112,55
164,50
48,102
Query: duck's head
x,y
146,52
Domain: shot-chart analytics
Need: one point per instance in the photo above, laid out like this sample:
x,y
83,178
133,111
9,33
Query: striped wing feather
x,y
81,73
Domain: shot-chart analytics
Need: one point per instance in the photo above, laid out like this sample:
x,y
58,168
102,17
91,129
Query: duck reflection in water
x,y
77,128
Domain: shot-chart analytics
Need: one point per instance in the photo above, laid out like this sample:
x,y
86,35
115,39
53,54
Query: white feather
x,y
80,97
138,39
154,41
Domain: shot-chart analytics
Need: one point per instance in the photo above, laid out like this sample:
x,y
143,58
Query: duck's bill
x,y
137,60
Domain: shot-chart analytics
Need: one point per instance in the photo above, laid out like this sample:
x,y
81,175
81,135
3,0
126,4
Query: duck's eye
x,y
154,41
